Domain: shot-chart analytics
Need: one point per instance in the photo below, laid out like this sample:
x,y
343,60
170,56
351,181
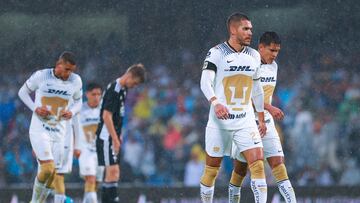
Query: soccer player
x,y
108,134
54,88
88,163
269,48
230,79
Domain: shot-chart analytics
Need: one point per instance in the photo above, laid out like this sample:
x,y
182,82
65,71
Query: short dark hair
x,y
236,17
92,85
68,56
138,70
269,37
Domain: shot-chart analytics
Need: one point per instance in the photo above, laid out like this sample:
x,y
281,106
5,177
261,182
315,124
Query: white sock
x,y
206,193
234,193
90,197
37,191
287,191
259,188
59,198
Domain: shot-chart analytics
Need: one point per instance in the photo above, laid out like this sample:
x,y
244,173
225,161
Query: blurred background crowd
x,y
318,82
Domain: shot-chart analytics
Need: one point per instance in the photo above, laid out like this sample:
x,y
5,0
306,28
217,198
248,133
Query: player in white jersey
x,y
54,88
229,81
89,119
269,48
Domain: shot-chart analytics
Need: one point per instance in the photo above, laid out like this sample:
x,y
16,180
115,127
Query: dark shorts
x,y
105,154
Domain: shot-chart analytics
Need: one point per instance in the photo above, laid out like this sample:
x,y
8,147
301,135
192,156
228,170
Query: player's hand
x,y
116,145
66,115
221,112
42,111
262,128
77,153
276,113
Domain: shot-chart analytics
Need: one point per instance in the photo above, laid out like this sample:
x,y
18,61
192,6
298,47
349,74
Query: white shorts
x,y
271,142
68,153
88,163
218,142
47,146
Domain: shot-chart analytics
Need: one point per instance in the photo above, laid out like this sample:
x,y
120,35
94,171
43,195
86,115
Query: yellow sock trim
x,y
90,187
46,174
59,184
209,176
257,170
280,173
236,179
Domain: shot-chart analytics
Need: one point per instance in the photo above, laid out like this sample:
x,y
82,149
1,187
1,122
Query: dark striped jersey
x,y
113,101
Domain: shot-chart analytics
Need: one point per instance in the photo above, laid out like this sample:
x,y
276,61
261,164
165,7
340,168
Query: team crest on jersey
x,y
205,65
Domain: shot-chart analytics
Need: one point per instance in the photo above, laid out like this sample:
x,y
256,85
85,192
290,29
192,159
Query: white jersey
x,y
235,72
55,94
268,73
89,119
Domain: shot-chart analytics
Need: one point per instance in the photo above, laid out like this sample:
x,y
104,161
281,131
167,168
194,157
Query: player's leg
x,y
110,184
41,145
112,170
237,177
280,174
59,186
90,195
248,141
207,181
218,143
274,154
88,170
255,159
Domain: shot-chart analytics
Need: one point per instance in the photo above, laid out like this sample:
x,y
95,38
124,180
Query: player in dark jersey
x,y
108,134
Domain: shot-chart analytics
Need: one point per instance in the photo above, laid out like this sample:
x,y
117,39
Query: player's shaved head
x,y
68,57
270,37
235,18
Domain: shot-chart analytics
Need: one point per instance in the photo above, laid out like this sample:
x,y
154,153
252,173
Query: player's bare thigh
x,y
275,161
253,154
213,161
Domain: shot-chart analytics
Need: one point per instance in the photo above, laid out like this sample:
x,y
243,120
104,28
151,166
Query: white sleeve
x,y
76,106
24,94
77,97
78,134
258,96
207,83
209,71
33,82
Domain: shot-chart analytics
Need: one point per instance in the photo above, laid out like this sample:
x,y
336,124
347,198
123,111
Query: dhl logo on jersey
x,y
267,79
239,68
59,92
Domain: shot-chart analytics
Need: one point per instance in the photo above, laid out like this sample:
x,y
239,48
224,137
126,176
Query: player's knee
x,y
209,175
59,184
257,170
240,168
112,173
280,172
275,162
90,186
47,172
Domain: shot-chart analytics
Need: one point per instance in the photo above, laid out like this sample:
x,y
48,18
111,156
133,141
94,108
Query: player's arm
x,y
25,91
207,84
77,135
110,107
258,101
277,113
77,104
109,123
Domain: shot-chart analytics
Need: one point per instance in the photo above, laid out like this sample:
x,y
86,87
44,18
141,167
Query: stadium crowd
x,y
319,92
